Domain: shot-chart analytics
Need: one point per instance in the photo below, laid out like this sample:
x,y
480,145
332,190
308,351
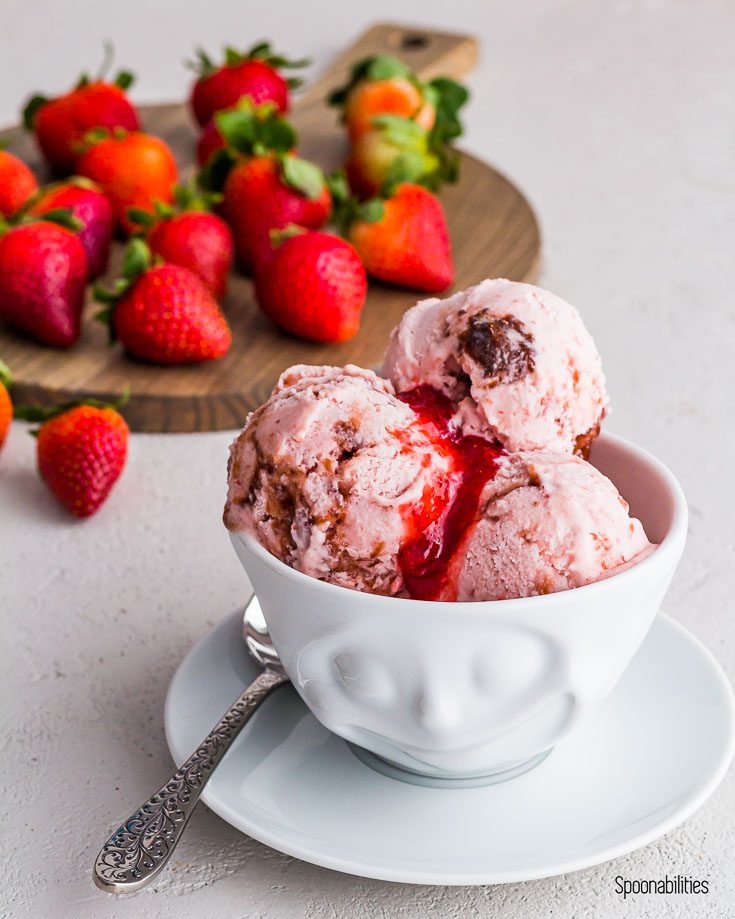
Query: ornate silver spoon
x,y
138,850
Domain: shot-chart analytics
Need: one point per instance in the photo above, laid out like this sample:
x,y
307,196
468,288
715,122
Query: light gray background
x,y
618,120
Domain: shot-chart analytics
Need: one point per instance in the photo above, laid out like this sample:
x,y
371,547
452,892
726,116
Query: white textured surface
x,y
618,119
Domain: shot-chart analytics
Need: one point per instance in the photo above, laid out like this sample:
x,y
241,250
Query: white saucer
x,y
650,757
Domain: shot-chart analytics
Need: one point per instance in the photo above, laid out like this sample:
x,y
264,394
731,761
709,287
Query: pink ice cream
x,y
324,472
547,522
516,361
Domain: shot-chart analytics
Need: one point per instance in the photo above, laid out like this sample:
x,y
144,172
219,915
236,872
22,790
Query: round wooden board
x,y
494,233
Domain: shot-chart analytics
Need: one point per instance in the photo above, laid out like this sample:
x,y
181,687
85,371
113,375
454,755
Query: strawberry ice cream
x,y
515,360
325,472
547,522
455,478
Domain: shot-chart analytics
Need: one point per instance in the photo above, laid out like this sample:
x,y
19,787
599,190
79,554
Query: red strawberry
x,y
17,184
134,170
254,74
6,406
404,239
269,192
43,272
81,451
191,236
164,313
61,124
312,285
92,209
210,140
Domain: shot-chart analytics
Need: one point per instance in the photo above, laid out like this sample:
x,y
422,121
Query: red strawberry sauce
x,y
436,528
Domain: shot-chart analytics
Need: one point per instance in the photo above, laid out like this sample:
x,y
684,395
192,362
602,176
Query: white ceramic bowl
x,y
466,690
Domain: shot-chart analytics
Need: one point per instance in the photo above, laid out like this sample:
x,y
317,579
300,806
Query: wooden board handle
x,y
427,52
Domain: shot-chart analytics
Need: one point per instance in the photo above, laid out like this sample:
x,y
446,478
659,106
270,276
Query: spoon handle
x,y
137,851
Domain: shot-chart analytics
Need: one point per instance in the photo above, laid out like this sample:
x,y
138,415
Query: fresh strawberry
x,y
313,285
61,124
43,272
81,451
6,406
164,313
254,74
209,141
384,85
265,185
91,207
134,170
17,184
269,192
402,239
191,236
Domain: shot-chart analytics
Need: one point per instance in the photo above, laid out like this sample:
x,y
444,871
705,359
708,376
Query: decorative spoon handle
x,y
137,851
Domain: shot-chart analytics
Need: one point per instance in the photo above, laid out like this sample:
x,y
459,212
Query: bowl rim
x,y
665,552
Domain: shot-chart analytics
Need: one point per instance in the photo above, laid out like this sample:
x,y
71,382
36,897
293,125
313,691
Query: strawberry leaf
x,y
279,236
233,57
124,79
253,129
263,51
213,174
408,166
41,413
371,211
31,109
403,132
203,65
385,67
302,175
136,260
376,67
5,376
63,217
138,215
450,96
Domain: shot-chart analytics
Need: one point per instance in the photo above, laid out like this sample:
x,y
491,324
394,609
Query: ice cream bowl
x,y
468,693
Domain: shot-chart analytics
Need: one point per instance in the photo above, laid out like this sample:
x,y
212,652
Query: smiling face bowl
x,y
468,690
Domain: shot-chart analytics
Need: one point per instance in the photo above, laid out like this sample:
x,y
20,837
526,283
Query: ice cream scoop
x,y
326,471
516,361
546,522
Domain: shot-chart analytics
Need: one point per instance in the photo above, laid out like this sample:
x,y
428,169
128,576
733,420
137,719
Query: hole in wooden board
x,y
409,41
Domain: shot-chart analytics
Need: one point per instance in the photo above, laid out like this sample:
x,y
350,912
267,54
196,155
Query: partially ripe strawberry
x,y
384,85
6,405
394,150
134,170
61,124
43,273
91,207
81,452
164,313
17,184
254,74
312,285
191,236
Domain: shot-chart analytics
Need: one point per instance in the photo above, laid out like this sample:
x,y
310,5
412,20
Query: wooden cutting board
x,y
493,229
